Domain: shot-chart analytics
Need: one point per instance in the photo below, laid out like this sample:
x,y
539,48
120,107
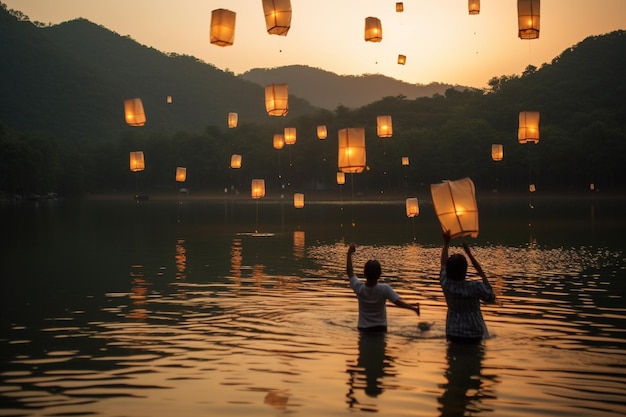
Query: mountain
x,y
328,90
70,80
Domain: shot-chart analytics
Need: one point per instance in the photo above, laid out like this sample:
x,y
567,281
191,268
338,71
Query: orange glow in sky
x,y
442,42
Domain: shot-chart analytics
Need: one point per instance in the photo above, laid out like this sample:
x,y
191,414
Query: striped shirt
x,y
464,318
372,302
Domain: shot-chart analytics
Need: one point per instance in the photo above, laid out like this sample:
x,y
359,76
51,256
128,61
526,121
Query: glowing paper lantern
x,y
258,188
277,99
322,132
528,19
181,174
290,135
405,160
373,29
412,208
401,59
168,100
528,127
497,152
384,129
532,188
399,7
277,16
233,118
592,187
455,205
222,27
298,200
279,141
351,156
341,178
235,161
133,112
136,161
473,6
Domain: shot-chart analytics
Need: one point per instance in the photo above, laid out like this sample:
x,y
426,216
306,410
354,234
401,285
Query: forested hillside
x,y
446,136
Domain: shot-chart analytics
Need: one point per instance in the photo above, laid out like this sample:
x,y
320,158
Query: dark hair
x,y
372,270
456,267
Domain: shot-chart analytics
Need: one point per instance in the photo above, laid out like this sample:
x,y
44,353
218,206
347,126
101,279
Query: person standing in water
x,y
464,319
373,295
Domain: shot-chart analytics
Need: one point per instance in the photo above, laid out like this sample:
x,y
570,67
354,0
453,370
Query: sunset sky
x,y
442,42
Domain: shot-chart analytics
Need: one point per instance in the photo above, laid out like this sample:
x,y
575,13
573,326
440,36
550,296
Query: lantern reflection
x,y
298,244
139,293
455,206
181,259
236,259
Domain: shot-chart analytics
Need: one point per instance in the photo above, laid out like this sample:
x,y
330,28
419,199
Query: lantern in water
x,y
298,200
181,174
321,132
277,99
341,178
399,7
412,208
258,188
528,19
168,100
235,161
233,118
136,161
405,161
277,16
528,127
279,141
473,6
455,205
351,156
373,29
401,59
531,188
290,135
133,112
383,127
222,27
497,152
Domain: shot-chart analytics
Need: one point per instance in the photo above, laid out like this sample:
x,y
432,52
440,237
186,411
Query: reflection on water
x,y
200,318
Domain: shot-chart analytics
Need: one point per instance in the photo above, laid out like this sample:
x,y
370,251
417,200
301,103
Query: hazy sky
x,y
442,42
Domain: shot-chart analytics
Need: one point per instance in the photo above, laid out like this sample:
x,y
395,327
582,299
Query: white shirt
x,y
372,302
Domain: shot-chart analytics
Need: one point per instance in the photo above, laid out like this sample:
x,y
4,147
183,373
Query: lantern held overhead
x,y
258,188
233,119
455,205
384,129
136,161
473,6
222,27
133,112
298,200
277,99
181,174
373,29
412,207
235,161
290,135
497,152
351,147
528,127
322,132
528,19
277,16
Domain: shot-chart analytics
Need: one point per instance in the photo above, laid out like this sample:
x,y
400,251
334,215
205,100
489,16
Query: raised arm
x,y
444,249
349,268
477,266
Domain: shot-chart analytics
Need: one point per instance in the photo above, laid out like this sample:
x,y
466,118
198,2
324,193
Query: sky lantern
x,y
277,16
399,7
181,174
412,207
405,161
222,27
341,178
133,112
351,156
528,19
277,99
473,6
169,100
279,141
322,133
455,205
401,59
531,188
235,161
258,188
384,128
528,127
233,118
136,161
290,135
298,200
497,152
373,29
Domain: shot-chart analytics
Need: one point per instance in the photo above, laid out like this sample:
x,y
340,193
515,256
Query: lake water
x,y
231,307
